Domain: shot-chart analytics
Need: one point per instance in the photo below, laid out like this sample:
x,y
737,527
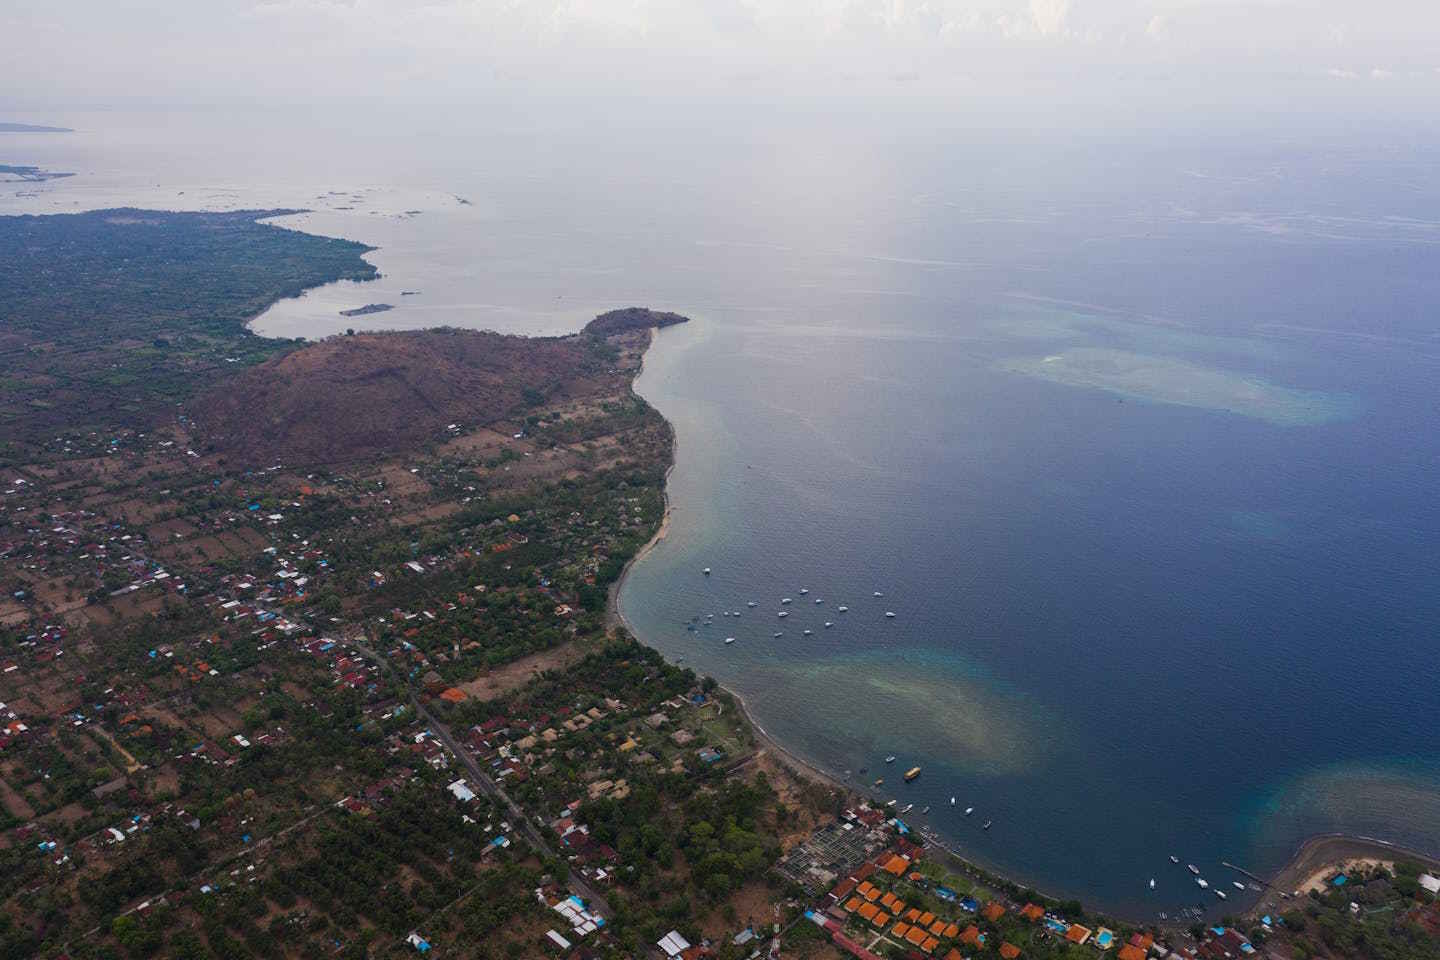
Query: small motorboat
x,y
785,601
890,759
828,624
706,571
778,634
1152,883
1174,859
818,601
952,801
889,614
807,632
907,808
987,824
890,804
969,810
1237,884
1201,883
729,639
752,603
1193,869
1222,894
879,781
926,810
803,591
783,613
843,608
879,594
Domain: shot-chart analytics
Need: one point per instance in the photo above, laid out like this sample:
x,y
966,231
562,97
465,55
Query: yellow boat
x,y
911,774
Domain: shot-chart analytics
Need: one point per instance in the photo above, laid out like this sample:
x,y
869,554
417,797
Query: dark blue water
x,y
1125,628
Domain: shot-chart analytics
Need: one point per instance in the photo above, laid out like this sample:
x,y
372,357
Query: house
x,y
1078,934
1009,951
673,944
1032,912
1130,952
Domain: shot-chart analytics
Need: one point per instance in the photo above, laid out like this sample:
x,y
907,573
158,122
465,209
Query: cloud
x,y
1050,16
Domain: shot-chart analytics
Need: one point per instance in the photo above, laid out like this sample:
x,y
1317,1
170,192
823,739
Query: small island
x,y
366,310
12,173
7,126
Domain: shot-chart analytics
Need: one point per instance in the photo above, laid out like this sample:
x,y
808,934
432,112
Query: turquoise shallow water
x,y
1177,595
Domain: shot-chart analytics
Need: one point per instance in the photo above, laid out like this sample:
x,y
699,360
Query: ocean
x,y
1136,436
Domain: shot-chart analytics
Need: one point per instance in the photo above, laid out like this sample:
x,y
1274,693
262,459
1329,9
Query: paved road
x,y
518,818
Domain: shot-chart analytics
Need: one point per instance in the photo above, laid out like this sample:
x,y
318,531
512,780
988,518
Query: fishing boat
x,y
1174,859
843,608
1200,882
807,632
890,614
969,810
1222,894
803,591
879,594
890,759
778,634
927,809
828,624
1193,869
911,774
706,571
1152,883
752,603
729,639
782,613
1237,884
907,808
987,825
786,600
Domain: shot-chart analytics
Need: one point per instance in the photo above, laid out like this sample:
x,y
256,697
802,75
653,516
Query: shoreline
x,y
1316,854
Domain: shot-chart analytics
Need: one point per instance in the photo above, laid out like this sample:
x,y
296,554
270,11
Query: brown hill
x,y
379,394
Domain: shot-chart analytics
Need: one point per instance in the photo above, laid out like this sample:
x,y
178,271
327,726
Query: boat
x,y
807,632
890,804
782,613
785,600
843,608
803,591
879,594
1237,884
969,810
828,624
1222,894
778,634
729,639
1174,859
952,801
1193,869
879,781
890,614
752,603
818,601
911,774
987,825
1200,882
907,808
1152,883
890,759
926,810
706,571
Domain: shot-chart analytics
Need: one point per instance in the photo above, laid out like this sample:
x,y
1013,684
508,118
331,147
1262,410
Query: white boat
x,y
729,639
987,825
879,594
1174,859
952,801
782,613
890,804
752,603
1200,882
818,601
890,759
1152,883
1193,869
803,591
807,632
969,810
1222,895
706,571
778,634
907,808
1237,884
926,810
890,614
785,601
828,624
843,608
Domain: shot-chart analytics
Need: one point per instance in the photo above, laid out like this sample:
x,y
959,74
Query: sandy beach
x,y
1320,857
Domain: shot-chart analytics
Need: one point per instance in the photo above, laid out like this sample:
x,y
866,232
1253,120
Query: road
x,y
518,818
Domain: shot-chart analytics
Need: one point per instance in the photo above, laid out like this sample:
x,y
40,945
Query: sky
x,y
1313,55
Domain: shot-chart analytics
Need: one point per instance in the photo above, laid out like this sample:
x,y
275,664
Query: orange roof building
x,y
915,936
953,954
971,935
1032,913
868,910
930,944
881,920
897,865
993,911
927,918
1077,933
938,927
951,931
1130,952
869,891
853,904
843,889
900,929
913,914
892,903
1009,951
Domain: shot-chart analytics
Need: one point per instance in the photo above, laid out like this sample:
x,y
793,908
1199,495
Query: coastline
x,y
1316,854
